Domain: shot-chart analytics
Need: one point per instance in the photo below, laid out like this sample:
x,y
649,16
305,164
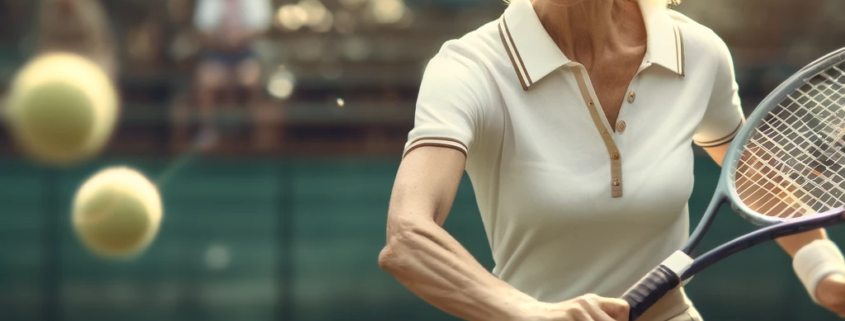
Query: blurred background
x,y
284,218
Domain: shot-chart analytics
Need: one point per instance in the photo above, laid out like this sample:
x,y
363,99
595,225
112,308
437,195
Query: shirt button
x,y
590,103
620,126
631,97
617,182
614,156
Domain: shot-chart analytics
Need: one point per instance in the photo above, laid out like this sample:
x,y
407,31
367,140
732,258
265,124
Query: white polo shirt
x,y
572,204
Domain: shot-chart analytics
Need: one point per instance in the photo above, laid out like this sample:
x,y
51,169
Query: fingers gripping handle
x,y
656,284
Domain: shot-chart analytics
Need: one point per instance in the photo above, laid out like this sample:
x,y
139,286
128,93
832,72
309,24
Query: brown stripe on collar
x,y
679,50
512,51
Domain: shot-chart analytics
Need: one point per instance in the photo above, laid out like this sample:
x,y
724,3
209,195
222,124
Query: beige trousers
x,y
691,314
675,306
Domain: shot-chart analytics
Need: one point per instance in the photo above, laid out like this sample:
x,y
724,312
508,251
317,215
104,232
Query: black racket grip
x,y
649,290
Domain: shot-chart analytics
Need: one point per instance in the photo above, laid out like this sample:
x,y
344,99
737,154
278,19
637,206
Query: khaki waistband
x,y
671,305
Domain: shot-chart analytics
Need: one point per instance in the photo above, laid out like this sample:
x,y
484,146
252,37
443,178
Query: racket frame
x,y
770,102
654,285
726,188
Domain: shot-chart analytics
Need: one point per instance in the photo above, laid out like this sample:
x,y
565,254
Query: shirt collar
x,y
534,54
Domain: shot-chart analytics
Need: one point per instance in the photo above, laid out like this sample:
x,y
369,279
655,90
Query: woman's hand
x,y
831,294
588,307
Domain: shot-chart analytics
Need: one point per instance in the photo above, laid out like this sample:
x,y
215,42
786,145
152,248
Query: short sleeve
x,y
449,106
724,115
206,15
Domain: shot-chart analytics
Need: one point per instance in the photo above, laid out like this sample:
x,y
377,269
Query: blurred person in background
x,y
228,29
78,26
575,122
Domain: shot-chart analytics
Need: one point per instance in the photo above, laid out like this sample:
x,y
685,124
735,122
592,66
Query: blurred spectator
x,y
78,26
145,46
228,28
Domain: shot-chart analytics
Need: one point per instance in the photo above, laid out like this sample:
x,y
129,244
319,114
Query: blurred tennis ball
x,y
61,109
117,213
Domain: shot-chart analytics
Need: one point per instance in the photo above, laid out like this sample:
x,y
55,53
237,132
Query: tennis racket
x,y
785,171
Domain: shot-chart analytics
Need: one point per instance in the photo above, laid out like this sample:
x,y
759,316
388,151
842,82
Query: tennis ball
x,y
61,109
117,213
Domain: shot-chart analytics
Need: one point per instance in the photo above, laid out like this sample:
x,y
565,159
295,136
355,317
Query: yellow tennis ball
x,y
117,213
61,108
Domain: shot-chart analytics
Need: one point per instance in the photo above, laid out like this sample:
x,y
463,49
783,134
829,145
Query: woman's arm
x,y
433,265
429,261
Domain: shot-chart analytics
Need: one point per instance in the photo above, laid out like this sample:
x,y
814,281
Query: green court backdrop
x,y
292,239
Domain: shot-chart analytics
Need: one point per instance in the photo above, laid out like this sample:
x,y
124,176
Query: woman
x,y
574,121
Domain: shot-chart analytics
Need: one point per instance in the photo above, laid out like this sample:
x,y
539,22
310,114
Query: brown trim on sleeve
x,y
724,140
439,138
524,79
433,141
716,144
434,145
612,150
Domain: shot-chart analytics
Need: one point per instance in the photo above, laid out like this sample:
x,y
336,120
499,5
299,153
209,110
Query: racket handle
x,y
656,284
649,290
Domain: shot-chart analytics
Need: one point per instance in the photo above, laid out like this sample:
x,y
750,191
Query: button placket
x,y
604,130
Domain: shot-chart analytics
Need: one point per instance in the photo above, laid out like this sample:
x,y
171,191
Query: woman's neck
x,y
587,30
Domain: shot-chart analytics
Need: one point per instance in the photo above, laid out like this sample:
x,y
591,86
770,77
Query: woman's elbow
x,y
392,254
387,259
400,241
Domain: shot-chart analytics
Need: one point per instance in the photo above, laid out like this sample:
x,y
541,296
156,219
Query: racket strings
x,y
781,167
779,186
785,156
793,164
812,188
786,204
778,168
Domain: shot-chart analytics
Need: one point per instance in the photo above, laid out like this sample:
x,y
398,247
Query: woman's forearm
x,y
433,265
791,244
429,261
